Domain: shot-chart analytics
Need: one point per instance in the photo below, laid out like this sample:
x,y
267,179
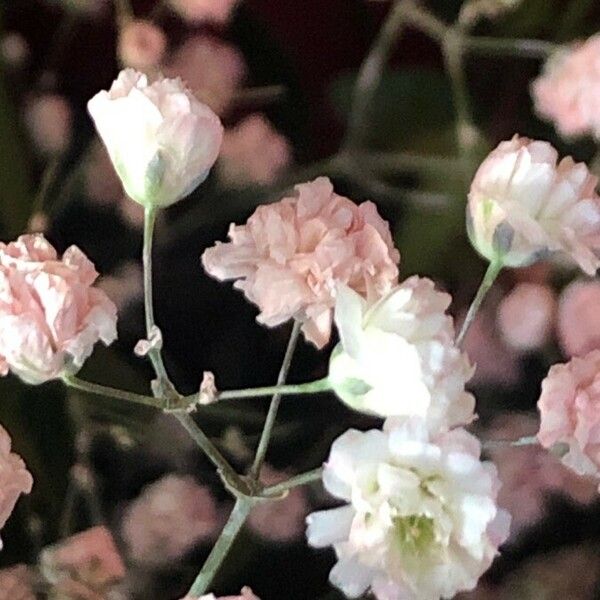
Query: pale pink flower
x,y
421,519
15,479
579,318
14,49
168,519
570,412
90,557
196,11
51,315
529,474
567,92
16,583
291,254
526,316
141,44
246,594
48,120
212,69
161,140
523,205
253,152
279,520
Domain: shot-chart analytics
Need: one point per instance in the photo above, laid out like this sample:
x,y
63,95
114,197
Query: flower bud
x,y
161,140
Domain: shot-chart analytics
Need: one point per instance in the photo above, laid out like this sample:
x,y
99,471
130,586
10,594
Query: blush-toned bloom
x,y
14,49
530,474
212,69
279,520
245,594
89,558
197,11
421,520
290,255
169,518
17,583
523,206
48,120
579,318
141,44
398,356
15,479
570,412
567,92
526,316
253,152
161,139
51,315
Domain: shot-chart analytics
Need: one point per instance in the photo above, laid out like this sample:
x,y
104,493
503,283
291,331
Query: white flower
x,y
524,204
398,356
421,520
161,140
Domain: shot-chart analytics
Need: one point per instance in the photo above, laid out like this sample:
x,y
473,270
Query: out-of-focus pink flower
x,y
14,49
570,412
526,316
141,44
90,558
212,69
579,318
48,120
125,286
16,583
495,363
567,92
524,205
169,518
529,473
161,140
196,11
253,152
15,479
279,520
246,594
51,315
290,255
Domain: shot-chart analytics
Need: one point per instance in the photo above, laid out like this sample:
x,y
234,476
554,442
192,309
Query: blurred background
x,y
281,75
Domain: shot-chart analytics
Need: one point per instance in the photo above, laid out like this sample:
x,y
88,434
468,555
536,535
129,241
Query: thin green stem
x,y
237,518
489,46
48,179
311,387
524,441
154,354
490,276
265,437
232,480
109,392
296,481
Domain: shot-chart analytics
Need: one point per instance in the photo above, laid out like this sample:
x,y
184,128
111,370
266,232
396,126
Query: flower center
x,y
414,533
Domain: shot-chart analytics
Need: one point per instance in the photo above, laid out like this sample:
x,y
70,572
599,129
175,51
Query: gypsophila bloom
x,y
89,558
161,140
169,518
570,412
48,120
398,356
279,520
579,318
289,256
523,205
197,11
14,49
51,315
526,316
421,520
212,69
17,583
141,44
246,594
15,479
567,92
253,152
